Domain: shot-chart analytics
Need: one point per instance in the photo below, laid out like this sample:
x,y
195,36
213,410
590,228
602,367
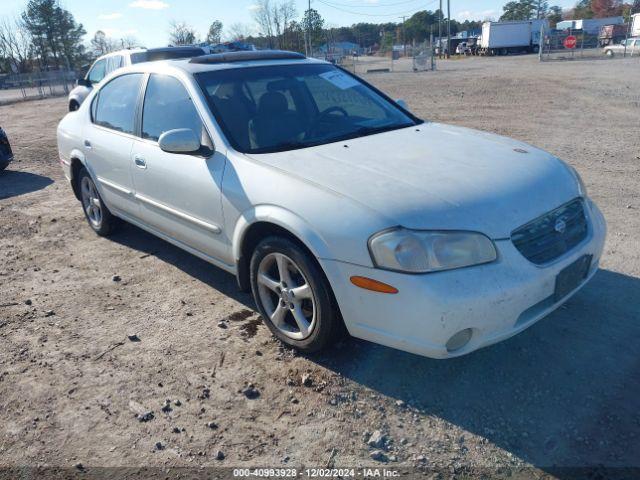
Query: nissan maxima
x,y
335,205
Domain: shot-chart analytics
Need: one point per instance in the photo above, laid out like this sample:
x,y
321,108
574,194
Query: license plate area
x,y
571,276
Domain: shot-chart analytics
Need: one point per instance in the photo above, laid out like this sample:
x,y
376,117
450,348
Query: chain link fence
x,y
27,86
567,45
423,57
412,58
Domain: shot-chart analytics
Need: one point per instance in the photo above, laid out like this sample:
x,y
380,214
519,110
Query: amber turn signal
x,y
373,285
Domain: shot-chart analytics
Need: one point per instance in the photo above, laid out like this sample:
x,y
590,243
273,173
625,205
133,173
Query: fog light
x,y
459,340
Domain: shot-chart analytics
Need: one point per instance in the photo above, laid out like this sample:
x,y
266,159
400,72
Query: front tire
x,y
293,295
95,211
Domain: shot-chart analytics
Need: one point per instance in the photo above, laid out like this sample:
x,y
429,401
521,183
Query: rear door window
x,y
117,102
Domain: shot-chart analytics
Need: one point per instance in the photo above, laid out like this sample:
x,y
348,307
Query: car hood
x,y
439,177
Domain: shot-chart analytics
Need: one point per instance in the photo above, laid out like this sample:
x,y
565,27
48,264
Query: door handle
x,y
87,144
139,161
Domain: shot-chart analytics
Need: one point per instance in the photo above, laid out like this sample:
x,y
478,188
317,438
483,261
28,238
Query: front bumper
x,y
495,301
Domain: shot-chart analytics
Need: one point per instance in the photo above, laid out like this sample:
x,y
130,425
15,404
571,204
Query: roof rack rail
x,y
244,56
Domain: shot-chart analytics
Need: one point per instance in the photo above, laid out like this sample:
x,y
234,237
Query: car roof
x,y
159,50
246,55
222,62
126,51
158,54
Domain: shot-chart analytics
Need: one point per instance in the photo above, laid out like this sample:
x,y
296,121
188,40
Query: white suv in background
x,y
106,64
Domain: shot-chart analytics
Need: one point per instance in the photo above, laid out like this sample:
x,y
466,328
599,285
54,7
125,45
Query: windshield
x,y
284,107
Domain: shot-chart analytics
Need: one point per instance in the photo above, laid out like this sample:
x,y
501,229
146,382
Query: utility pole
x,y
307,43
448,28
404,38
440,30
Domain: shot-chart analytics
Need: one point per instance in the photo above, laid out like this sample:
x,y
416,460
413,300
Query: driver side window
x,y
167,106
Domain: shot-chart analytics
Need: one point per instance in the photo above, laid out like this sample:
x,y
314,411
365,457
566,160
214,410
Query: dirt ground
x,y
563,394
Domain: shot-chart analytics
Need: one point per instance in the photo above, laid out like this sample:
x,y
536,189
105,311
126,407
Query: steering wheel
x,y
321,116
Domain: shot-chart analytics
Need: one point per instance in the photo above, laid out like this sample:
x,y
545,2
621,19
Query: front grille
x,y
544,239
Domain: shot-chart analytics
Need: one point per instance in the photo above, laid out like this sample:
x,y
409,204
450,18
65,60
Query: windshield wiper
x,y
364,131
280,147
384,128
359,132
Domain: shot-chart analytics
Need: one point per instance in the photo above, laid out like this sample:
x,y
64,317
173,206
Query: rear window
x,y
115,105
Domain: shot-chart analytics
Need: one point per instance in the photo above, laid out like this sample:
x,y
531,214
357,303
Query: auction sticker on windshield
x,y
339,79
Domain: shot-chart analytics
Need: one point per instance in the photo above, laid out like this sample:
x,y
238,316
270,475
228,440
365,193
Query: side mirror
x,y
180,140
402,104
83,82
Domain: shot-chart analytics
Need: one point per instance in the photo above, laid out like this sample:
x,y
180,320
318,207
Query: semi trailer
x,y
612,34
502,38
635,25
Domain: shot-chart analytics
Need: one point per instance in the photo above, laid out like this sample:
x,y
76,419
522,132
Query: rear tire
x,y
293,295
73,106
100,219
608,53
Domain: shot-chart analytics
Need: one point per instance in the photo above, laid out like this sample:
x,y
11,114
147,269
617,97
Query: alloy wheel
x,y
286,296
91,202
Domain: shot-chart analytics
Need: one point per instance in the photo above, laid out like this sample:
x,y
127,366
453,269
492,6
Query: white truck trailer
x,y
635,25
591,26
502,38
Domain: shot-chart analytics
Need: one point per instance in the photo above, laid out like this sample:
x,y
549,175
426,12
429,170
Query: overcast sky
x,y
148,20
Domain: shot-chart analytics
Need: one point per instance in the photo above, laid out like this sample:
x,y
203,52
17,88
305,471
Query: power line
x,y
395,14
377,5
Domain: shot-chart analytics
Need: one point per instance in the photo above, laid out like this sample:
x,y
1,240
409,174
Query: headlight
x,y
423,251
581,186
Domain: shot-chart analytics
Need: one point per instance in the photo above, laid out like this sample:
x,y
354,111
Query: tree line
x,y
530,9
44,36
277,24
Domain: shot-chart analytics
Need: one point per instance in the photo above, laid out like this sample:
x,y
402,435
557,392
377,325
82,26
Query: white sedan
x,y
335,205
630,46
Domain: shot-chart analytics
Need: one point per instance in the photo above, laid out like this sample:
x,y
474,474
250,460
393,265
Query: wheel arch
x,y
265,220
77,162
